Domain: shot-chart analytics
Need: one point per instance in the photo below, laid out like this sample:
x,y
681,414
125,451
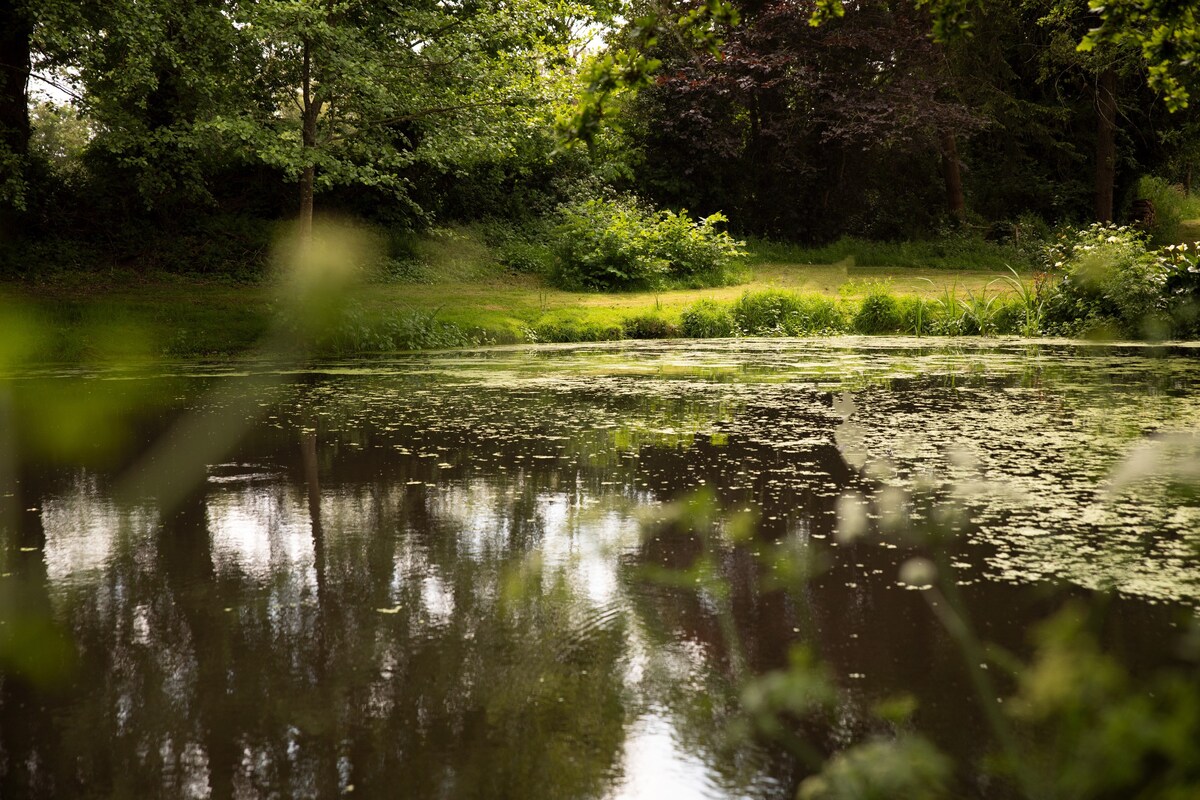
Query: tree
x,y
148,75
1166,32
355,92
16,30
853,122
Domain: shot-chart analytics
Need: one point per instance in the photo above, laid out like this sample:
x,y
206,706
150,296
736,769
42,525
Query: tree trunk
x,y
956,204
308,134
306,202
16,28
1106,143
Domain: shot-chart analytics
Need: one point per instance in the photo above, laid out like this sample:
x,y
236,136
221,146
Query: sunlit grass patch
x,y
464,283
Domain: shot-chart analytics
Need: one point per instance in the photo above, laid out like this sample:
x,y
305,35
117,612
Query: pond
x,y
456,574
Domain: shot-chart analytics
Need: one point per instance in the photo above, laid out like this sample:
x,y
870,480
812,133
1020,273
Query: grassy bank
x,y
462,287
462,295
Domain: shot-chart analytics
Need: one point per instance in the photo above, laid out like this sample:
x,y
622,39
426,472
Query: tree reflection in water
x,y
432,581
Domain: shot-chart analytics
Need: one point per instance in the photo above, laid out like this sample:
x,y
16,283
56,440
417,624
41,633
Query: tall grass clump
x,y
358,330
767,313
778,313
649,326
978,313
878,312
946,317
566,329
915,313
617,244
1024,313
821,315
707,319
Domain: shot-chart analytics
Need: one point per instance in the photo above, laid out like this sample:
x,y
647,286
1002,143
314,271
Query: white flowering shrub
x,y
1108,277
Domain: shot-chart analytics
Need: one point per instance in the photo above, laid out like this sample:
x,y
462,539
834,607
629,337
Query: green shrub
x,y
707,319
573,330
1110,279
648,326
1182,263
530,258
520,247
778,313
1010,317
767,313
358,330
879,312
696,250
617,244
819,315
606,245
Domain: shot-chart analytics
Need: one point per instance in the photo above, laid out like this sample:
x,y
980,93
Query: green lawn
x,y
193,317
513,302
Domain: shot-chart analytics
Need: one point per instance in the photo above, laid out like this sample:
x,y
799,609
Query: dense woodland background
x,y
175,136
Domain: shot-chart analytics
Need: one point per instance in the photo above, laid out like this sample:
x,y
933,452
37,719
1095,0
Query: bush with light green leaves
x,y
618,244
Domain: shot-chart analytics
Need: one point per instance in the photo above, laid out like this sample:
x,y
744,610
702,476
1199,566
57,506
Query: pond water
x,y
440,575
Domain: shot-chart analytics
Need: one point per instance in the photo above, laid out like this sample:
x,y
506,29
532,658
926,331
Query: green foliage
x,y
616,244
978,313
358,330
609,75
1170,205
1024,313
59,135
228,247
1098,731
567,328
947,313
955,251
1110,281
520,247
1166,32
648,326
778,313
526,257
605,245
879,312
707,319
696,251
767,313
1182,263
1010,317
908,766
914,315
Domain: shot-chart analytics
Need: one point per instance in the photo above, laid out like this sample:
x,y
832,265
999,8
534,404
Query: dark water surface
x,y
427,576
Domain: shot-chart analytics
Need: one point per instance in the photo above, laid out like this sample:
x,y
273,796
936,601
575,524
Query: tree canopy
x,y
883,118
